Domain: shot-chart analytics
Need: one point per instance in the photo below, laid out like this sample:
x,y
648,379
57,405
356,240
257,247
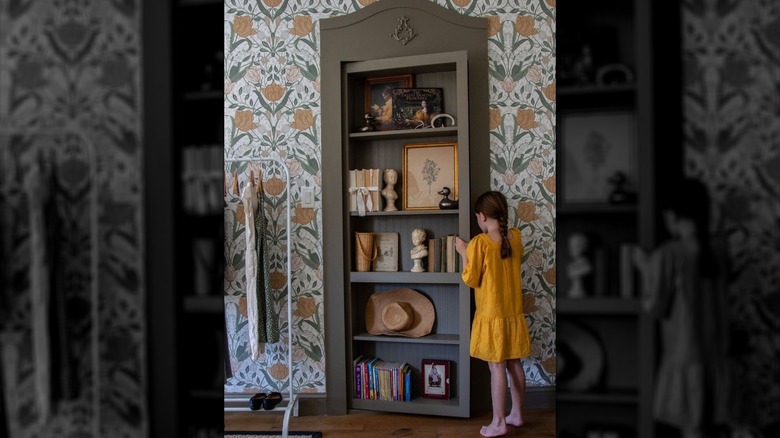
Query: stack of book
x,y
442,256
376,379
364,190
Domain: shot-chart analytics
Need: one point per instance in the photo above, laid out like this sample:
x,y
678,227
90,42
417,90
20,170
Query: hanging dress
x,y
263,321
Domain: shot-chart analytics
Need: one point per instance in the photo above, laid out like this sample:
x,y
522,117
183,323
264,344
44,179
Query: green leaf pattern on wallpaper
x,y
75,66
272,108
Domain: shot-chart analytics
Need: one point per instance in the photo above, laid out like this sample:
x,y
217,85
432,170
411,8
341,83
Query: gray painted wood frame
x,y
449,49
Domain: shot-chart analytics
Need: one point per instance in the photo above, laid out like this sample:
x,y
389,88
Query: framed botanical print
x,y
427,169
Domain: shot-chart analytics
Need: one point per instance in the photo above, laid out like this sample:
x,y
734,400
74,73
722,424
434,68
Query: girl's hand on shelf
x,y
461,245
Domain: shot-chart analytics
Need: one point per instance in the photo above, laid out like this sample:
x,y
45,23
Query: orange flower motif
x,y
302,25
273,92
303,215
230,274
272,3
278,280
494,25
242,306
241,214
526,118
525,25
461,3
495,118
550,2
549,276
549,184
242,26
526,211
274,186
303,120
529,303
549,92
366,2
279,371
549,365
244,120
306,307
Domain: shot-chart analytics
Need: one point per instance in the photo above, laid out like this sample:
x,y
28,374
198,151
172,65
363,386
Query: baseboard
x,y
539,397
536,397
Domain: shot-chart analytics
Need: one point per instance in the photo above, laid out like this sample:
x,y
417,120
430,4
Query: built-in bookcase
x,y
455,68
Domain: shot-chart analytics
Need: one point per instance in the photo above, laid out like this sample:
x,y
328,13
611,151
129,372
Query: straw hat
x,y
401,312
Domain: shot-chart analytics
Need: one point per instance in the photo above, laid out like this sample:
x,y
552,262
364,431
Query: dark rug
x,y
271,434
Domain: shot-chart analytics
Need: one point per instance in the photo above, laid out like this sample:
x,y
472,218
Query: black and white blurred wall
x,y
731,120
73,322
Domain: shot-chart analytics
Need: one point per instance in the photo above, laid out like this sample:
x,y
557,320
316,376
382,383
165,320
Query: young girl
x,y
683,288
499,334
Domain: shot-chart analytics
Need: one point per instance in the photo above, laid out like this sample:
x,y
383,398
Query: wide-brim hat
x,y
399,312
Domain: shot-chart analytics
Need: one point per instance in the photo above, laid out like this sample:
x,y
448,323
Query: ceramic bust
x,y
579,268
420,250
390,178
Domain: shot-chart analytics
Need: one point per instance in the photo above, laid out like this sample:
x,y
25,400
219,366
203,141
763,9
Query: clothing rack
x,y
232,402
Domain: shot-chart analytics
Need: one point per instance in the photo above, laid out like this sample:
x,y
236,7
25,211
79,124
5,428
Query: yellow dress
x,y
499,330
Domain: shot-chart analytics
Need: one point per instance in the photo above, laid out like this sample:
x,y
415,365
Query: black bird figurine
x,y
447,203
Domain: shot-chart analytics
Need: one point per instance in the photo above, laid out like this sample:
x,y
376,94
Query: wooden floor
x,y
538,423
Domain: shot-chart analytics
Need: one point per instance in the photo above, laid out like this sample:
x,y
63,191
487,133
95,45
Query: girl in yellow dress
x,y
499,332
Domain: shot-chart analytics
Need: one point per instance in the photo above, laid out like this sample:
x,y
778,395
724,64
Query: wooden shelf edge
x,y
447,339
406,277
597,306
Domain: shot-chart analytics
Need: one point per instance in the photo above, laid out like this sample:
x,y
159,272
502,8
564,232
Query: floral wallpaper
x,y
731,102
74,66
272,108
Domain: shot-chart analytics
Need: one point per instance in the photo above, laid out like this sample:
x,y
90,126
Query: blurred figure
x,y
683,287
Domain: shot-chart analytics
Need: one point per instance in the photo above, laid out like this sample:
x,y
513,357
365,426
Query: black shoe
x,y
257,401
272,400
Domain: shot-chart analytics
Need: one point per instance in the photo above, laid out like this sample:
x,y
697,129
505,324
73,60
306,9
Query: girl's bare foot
x,y
492,430
514,420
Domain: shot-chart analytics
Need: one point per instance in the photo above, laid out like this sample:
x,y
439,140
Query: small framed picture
x,y
379,98
387,252
414,108
428,168
597,147
436,378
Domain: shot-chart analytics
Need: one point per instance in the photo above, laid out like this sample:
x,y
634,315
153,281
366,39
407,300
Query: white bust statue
x,y
420,250
579,267
391,178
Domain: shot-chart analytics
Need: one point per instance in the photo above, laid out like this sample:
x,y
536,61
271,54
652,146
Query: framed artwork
x,y
436,378
414,108
387,252
598,156
429,167
379,98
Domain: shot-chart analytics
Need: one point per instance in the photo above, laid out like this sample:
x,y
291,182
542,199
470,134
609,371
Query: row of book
x,y
202,178
364,190
442,256
376,379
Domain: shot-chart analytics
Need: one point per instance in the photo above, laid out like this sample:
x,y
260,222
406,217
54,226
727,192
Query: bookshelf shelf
x,y
406,277
430,339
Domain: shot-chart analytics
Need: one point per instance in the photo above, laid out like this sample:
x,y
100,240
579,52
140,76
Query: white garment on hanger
x,y
249,199
39,289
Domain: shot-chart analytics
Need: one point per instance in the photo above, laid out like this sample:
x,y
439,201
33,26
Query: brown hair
x,y
493,205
